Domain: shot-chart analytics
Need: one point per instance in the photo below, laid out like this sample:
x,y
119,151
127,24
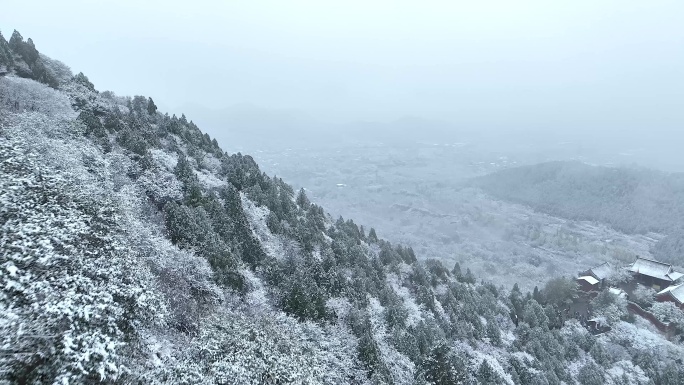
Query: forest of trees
x,y
630,200
135,250
24,60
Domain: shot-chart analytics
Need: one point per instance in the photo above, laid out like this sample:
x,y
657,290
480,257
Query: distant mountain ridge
x,y
631,200
258,128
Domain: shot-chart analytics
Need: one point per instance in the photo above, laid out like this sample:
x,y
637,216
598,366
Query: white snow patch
x,y
11,269
164,159
212,164
415,313
256,298
400,367
641,338
209,180
492,355
256,215
634,373
29,94
340,306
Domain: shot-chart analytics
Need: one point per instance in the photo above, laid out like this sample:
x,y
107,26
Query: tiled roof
x,y
601,271
652,268
590,279
675,275
676,291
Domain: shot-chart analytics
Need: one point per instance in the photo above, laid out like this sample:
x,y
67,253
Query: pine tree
x,y
536,295
493,332
16,42
673,374
535,316
83,80
456,271
183,170
93,124
469,277
600,355
372,236
487,375
442,367
151,107
5,53
303,200
30,52
410,256
590,374
517,300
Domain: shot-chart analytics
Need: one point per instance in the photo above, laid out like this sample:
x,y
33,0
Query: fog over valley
x,y
599,76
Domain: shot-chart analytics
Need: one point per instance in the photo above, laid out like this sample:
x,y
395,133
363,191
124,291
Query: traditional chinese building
x,y
588,283
655,274
674,293
600,273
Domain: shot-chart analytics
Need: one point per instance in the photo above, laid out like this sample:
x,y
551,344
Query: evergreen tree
x,y
30,55
410,256
113,121
83,80
673,374
395,312
368,351
469,277
456,272
16,42
183,170
536,295
6,58
493,332
600,355
151,107
487,375
535,316
372,236
93,124
30,52
302,297
303,200
559,291
517,300
553,315
441,366
590,374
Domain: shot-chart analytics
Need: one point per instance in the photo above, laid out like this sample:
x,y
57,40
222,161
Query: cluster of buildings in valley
x,y
668,283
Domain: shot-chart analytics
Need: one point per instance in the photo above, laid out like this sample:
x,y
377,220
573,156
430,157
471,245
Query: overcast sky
x,y
505,63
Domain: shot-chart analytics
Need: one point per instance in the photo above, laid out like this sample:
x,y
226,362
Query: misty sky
x,y
589,64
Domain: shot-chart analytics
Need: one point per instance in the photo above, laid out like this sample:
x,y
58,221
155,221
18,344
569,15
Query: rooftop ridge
x,y
650,260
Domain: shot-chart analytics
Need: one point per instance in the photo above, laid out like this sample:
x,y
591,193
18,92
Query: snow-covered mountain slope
x,y
134,250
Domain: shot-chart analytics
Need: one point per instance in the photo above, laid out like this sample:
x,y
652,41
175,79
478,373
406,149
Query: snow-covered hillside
x,y
134,250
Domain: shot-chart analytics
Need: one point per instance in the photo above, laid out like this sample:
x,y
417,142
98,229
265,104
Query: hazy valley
x,y
422,195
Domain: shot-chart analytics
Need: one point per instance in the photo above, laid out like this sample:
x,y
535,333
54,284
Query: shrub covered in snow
x,y
644,296
68,304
